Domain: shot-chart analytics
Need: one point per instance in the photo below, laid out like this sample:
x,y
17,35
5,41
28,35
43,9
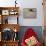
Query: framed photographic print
x,y
5,12
29,13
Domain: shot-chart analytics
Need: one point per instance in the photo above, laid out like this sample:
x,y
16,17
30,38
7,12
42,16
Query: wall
x,y
27,4
36,29
33,4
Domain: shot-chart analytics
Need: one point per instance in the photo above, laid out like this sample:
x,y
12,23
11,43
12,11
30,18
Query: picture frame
x,y
0,19
29,13
0,36
5,12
